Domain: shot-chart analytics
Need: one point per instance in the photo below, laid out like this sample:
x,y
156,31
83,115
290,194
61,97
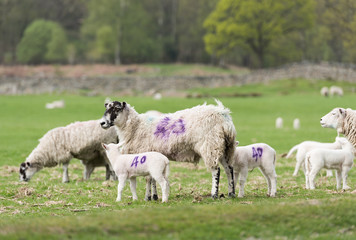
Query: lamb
x,y
130,166
296,124
306,146
81,140
341,160
55,104
255,155
204,131
343,120
324,91
336,91
279,122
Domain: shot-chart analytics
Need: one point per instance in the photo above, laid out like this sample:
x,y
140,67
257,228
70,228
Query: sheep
x,y
55,104
343,120
341,160
81,140
204,131
336,91
130,166
251,156
324,91
306,146
296,124
279,122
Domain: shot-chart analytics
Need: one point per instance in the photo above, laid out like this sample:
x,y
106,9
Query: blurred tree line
x,y
253,33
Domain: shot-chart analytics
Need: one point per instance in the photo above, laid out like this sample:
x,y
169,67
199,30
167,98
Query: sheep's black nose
x,y
102,123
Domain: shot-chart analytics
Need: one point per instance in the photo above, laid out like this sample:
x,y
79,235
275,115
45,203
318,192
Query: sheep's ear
x,y
342,111
237,143
28,164
106,105
104,146
123,105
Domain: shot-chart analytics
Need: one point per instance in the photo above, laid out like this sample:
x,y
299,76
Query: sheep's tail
x,y
230,143
295,148
166,170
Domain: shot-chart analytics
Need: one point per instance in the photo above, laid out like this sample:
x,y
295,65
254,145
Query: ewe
x,y
204,131
130,166
255,155
341,160
81,140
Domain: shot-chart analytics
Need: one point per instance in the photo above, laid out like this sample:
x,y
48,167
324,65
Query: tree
x,y
254,24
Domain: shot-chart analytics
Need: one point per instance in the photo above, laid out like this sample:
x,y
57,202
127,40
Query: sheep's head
x,y
334,119
112,114
27,171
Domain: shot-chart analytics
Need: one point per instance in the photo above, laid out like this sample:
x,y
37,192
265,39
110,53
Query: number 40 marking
x,y
135,161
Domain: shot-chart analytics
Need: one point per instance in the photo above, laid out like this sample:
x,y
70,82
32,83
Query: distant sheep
x,y
204,131
341,160
55,104
324,91
306,146
130,166
336,91
343,120
279,122
81,140
296,124
255,155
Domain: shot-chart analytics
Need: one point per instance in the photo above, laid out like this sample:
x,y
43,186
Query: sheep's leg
x,y
312,174
307,186
236,176
242,180
329,173
154,189
338,178
297,166
88,170
107,172
344,173
268,180
120,187
273,180
215,172
65,178
148,189
230,177
133,188
164,186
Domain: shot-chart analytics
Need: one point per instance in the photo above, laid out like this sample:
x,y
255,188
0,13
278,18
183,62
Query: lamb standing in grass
x,y
306,146
81,140
130,166
341,160
204,131
255,155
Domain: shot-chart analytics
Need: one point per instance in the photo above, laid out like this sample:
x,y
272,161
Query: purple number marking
x,y
167,126
257,153
135,161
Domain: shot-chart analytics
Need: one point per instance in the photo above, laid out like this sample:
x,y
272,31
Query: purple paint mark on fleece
x,y
165,127
135,161
257,153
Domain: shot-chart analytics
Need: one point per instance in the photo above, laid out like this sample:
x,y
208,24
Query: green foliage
x,y
106,43
42,41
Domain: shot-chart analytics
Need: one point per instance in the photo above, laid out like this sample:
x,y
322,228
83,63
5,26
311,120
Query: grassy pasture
x,y
47,209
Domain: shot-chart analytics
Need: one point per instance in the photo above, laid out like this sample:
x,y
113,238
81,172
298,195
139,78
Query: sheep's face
x,y
26,171
112,114
334,119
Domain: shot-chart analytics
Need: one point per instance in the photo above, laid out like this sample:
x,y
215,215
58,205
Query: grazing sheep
x,y
343,120
204,131
336,91
55,104
130,166
255,155
324,91
341,160
296,124
279,122
306,146
81,140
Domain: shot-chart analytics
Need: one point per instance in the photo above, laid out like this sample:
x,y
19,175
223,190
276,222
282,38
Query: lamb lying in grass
x,y
304,147
341,160
130,166
255,155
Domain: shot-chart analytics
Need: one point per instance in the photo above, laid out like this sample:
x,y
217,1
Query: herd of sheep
x,y
205,132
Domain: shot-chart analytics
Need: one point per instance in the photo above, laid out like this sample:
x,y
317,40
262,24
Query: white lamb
x,y
324,91
306,146
81,140
255,155
204,131
341,160
336,91
130,166
279,122
296,124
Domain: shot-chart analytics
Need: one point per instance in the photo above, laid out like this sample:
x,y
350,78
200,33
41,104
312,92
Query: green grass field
x,y
45,208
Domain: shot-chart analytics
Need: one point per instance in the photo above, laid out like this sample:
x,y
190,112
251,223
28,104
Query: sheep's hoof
x,y
65,181
214,196
155,197
346,188
148,198
232,195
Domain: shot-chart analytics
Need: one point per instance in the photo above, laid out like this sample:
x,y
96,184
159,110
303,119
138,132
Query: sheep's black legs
x,y
215,172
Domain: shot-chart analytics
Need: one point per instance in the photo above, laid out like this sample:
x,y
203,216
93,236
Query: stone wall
x,y
12,85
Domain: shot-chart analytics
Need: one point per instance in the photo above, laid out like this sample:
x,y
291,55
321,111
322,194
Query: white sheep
x,y
279,122
341,160
296,124
343,120
336,91
81,140
324,91
55,104
204,131
130,166
306,146
258,155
